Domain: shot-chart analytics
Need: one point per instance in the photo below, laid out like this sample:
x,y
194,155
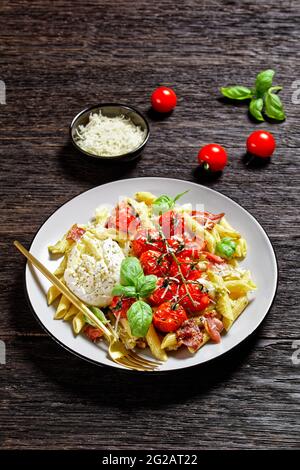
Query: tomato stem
x,y
170,251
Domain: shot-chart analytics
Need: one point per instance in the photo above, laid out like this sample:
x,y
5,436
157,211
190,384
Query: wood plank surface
x,y
58,57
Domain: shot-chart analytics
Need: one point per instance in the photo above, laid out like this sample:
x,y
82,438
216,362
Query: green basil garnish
x,y
165,203
139,317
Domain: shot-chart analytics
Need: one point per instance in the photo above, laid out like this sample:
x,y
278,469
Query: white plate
x,y
261,261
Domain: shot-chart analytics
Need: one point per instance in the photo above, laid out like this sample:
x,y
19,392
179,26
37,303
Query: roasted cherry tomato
x,y
200,300
186,265
261,144
124,219
120,305
154,262
145,240
166,290
175,244
194,275
168,317
172,224
92,333
163,99
213,157
192,253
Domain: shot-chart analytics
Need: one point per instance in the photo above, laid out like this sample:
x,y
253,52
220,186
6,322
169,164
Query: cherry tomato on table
x,y
155,263
166,290
169,317
120,305
261,144
163,99
200,300
213,157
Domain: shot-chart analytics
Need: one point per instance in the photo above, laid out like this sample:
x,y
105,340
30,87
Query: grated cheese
x,y
109,136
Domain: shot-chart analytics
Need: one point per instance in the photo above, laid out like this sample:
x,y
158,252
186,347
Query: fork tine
x,y
130,365
142,360
136,361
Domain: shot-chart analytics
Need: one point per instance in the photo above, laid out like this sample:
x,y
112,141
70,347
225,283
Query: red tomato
x,y
175,244
120,305
75,233
154,262
163,99
172,224
166,290
200,300
92,333
261,144
192,253
213,157
186,264
194,275
146,240
169,317
124,218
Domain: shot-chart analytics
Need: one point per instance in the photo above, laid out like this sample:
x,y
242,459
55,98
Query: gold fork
x,y
117,350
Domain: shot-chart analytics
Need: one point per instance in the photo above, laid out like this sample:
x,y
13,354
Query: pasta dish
x,y
163,275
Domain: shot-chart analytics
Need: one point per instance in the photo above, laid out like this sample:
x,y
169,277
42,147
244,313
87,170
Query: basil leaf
x,y
263,81
237,92
164,203
146,285
139,317
180,195
255,108
126,291
273,105
131,271
98,313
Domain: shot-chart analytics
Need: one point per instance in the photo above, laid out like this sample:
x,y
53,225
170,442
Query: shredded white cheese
x,y
109,136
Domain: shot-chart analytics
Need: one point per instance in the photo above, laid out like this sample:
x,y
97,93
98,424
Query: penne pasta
x,y
62,308
239,305
52,294
146,197
59,272
155,344
170,342
71,313
78,323
60,247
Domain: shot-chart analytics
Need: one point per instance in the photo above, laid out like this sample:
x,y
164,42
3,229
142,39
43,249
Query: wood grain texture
x,y
56,58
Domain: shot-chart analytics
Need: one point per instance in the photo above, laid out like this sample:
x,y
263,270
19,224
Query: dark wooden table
x,y
56,58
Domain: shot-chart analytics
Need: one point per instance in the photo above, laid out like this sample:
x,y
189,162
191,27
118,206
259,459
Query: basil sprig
x,y
165,203
135,284
264,100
